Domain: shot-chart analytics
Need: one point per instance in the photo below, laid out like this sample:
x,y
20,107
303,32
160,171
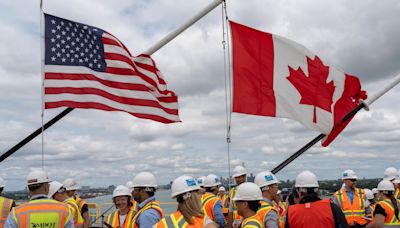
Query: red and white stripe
x,y
129,84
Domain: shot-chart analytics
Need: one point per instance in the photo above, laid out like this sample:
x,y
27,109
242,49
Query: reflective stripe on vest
x,y
80,202
397,194
352,211
264,209
177,220
390,218
236,216
113,219
41,213
76,213
5,205
154,204
252,222
208,202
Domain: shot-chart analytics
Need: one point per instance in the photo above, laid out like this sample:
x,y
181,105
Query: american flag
x,y
87,67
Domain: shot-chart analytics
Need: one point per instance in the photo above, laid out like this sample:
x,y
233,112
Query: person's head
x,y
222,191
268,184
144,186
247,199
370,195
390,174
122,198
71,186
185,190
38,182
57,191
349,178
306,184
293,197
239,174
211,184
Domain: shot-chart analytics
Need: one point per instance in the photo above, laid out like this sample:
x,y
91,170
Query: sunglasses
x,y
352,180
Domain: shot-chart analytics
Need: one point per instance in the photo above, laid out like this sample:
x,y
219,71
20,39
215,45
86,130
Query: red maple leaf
x,y
314,89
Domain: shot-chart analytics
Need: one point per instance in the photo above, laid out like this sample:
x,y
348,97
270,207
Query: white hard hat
x,y
390,174
349,174
144,179
306,179
375,190
265,178
129,185
239,171
201,181
2,183
397,179
222,189
182,185
70,184
37,177
55,186
248,192
211,181
121,190
368,193
385,185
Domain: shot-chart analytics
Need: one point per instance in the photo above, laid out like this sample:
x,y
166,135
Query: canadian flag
x,y
274,76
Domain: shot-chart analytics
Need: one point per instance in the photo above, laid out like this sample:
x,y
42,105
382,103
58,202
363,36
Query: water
x,y
163,196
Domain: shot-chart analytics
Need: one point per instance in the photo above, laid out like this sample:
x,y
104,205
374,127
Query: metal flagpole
x,y
365,104
150,51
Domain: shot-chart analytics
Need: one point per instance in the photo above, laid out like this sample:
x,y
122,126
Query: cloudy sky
x,y
101,148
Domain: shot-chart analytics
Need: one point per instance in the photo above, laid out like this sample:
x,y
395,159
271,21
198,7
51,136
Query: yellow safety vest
x,y
252,222
390,219
113,219
75,211
154,204
41,213
232,193
354,212
264,209
5,208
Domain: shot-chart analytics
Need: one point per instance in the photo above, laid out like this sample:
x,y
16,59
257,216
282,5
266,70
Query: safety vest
x,y
390,219
311,215
232,193
397,194
208,202
353,212
5,208
264,209
80,202
113,219
254,221
281,208
134,205
75,212
176,220
154,204
41,213
223,199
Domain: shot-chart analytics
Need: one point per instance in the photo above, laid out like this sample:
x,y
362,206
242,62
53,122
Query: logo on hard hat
x,y
345,174
269,178
190,182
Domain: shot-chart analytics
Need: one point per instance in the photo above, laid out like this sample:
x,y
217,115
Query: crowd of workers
x,y
203,202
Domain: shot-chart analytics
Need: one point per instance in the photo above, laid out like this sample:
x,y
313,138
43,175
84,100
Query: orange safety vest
x,y
154,204
254,221
353,212
41,213
224,199
134,205
75,212
113,219
80,202
264,209
232,193
177,220
390,218
311,215
208,202
5,208
281,208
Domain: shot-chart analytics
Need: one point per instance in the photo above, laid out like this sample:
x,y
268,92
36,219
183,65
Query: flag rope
x,y
42,74
228,86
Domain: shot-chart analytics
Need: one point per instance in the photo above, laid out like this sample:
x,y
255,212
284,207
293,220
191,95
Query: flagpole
x,y
150,51
365,104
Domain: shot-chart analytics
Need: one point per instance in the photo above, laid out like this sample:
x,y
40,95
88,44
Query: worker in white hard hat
x,y
40,211
240,176
386,213
185,190
212,205
390,174
396,183
225,202
200,181
312,211
149,210
352,200
71,187
371,199
134,206
123,216
58,192
268,184
247,200
6,205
